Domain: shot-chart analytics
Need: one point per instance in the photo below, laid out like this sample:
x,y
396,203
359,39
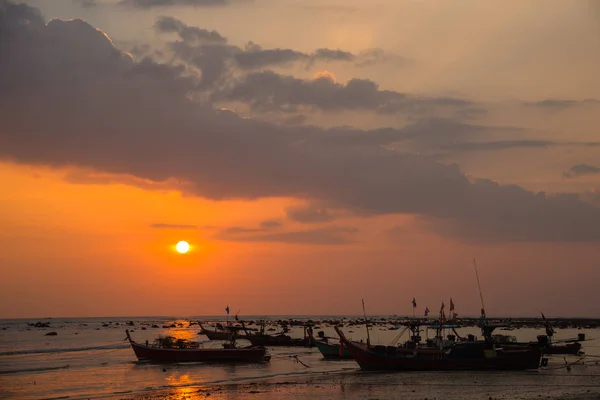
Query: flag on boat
x,y
227,309
414,303
426,311
451,305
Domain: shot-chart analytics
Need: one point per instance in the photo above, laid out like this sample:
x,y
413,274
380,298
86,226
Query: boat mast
x,y
366,323
480,294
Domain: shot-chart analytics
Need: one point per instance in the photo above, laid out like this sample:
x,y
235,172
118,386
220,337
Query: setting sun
x,y
182,247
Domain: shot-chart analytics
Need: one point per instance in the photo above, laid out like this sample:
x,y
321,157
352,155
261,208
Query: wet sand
x,y
582,382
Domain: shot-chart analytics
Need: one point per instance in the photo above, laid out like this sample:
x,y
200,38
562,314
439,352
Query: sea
x,y
89,358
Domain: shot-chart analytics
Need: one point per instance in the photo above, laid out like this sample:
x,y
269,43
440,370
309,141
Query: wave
x,y
41,369
63,350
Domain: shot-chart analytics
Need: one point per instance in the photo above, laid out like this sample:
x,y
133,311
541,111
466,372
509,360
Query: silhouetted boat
x,y
467,355
545,342
222,334
169,350
332,351
565,346
261,338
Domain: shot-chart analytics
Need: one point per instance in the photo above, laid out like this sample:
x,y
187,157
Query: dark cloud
x,y
557,104
240,229
270,224
433,135
173,226
547,218
147,4
270,91
322,236
86,3
500,145
190,34
209,52
309,214
580,170
69,98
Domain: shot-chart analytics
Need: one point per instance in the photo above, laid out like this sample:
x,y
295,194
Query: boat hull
x,y
569,348
280,340
162,355
434,360
215,335
332,351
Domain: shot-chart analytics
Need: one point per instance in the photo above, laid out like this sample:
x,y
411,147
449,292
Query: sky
x,y
312,153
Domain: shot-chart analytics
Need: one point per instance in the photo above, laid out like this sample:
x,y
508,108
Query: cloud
x,y
270,91
209,52
240,229
547,218
148,4
309,214
581,170
322,236
270,224
97,108
189,34
173,226
86,3
557,104
82,176
500,145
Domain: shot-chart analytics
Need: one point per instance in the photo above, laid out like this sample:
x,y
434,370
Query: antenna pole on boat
x,y
479,286
366,323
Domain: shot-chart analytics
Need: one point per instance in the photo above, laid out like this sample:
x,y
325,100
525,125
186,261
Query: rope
x,y
299,361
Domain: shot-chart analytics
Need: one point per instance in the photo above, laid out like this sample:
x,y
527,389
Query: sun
x,y
182,247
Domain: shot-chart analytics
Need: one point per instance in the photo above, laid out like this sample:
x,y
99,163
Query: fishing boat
x,y
555,348
466,355
545,342
565,346
261,338
216,334
171,350
332,351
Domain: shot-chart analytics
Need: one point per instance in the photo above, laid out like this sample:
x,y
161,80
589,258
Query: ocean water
x,y
89,358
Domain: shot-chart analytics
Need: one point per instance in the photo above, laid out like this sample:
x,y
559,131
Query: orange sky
x,y
89,250
344,150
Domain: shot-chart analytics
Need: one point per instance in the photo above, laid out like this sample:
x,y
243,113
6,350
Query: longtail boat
x,y
545,342
332,351
567,348
223,334
467,355
168,350
261,338
550,346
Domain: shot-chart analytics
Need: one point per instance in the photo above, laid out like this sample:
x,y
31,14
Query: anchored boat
x,y
168,350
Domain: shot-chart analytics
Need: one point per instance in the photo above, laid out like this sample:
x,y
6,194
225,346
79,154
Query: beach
x,y
409,386
88,359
